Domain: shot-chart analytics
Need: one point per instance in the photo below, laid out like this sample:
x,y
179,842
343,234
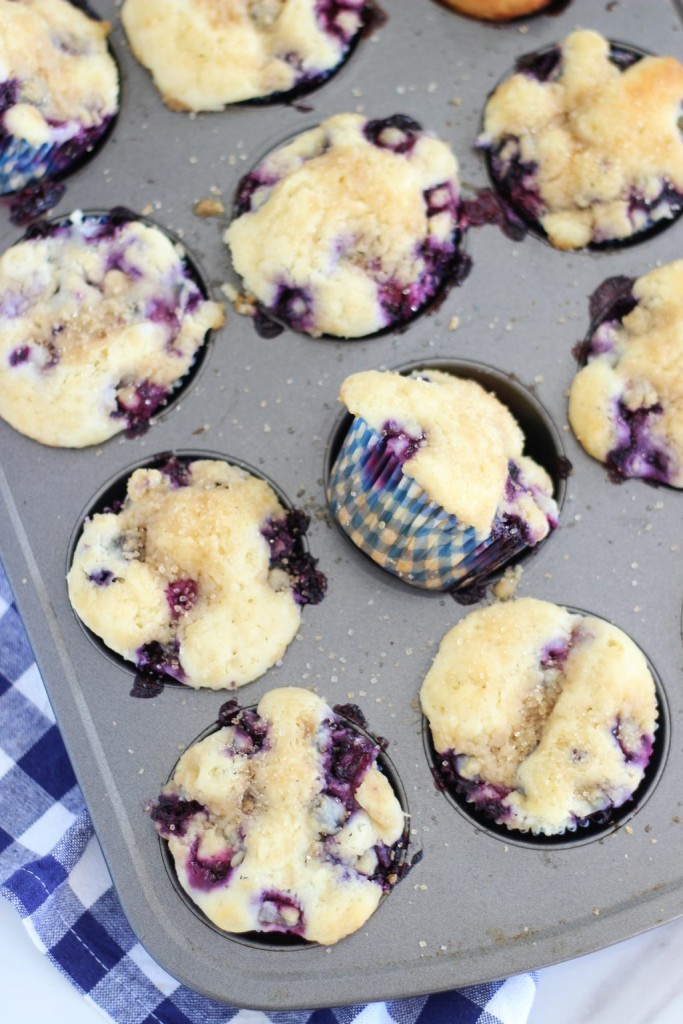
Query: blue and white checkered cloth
x,y
52,870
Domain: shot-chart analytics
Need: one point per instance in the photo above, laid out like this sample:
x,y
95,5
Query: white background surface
x,y
639,981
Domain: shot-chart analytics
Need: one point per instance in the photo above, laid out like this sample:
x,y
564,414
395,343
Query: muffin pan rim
x,y
88,698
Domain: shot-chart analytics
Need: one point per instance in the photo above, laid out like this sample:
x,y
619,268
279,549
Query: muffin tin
x,y
476,906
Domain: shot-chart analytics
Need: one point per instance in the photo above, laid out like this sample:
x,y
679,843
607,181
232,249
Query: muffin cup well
x,y
352,718
513,179
159,668
479,802
392,520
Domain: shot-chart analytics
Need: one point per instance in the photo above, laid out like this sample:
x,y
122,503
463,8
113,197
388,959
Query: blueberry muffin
x,y
626,402
59,90
497,10
544,720
351,228
431,481
585,141
205,54
200,575
100,318
281,821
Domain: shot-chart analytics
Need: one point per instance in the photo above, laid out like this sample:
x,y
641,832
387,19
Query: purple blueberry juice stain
x,y
554,655
637,455
118,260
490,208
160,312
102,577
279,912
147,685
206,873
285,538
251,731
9,92
347,757
515,180
328,13
248,186
542,67
285,534
391,450
398,133
401,445
487,798
612,300
13,304
35,200
177,472
353,713
161,658
172,814
401,302
398,301
640,757
19,355
294,306
138,410
667,205
181,596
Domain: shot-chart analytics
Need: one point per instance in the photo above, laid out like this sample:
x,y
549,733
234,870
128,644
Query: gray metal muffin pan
x,y
477,907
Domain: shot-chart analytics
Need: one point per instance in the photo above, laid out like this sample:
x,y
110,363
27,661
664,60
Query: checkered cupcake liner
x,y
391,518
21,164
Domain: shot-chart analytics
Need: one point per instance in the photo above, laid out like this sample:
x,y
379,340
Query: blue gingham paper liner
x,y
21,163
53,872
392,519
